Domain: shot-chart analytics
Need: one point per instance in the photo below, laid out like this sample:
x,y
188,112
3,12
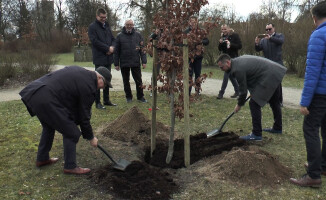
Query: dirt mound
x,y
133,126
200,147
138,181
252,166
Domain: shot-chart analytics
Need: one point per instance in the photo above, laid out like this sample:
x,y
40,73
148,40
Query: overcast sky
x,y
242,7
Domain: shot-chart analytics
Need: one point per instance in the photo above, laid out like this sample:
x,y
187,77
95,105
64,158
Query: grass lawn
x,y
290,80
19,137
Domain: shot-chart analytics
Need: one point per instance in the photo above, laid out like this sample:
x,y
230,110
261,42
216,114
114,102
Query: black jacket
x,y
235,45
129,49
205,42
101,39
70,90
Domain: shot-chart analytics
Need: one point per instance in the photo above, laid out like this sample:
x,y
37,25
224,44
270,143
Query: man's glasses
x,y
268,29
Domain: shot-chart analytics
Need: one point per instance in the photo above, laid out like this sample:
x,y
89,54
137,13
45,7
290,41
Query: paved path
x,y
210,87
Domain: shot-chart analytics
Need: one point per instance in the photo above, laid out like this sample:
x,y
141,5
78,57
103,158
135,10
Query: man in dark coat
x,y
262,77
195,64
100,34
229,43
127,55
271,45
62,100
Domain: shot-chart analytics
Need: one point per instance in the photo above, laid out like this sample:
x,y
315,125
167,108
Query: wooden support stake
x,y
186,102
154,95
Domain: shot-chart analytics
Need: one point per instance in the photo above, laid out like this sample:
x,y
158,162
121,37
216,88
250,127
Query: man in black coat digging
x,y
62,100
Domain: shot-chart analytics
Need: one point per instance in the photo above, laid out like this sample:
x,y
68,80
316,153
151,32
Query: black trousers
x,y
106,97
255,111
136,74
234,82
316,119
195,67
53,116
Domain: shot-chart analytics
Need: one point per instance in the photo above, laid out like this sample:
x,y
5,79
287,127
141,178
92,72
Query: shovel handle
x,y
106,153
220,129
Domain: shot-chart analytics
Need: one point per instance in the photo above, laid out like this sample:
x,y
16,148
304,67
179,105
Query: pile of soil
x,y
133,126
252,166
200,147
138,181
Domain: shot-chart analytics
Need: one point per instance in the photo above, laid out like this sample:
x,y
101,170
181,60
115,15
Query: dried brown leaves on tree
x,y
170,25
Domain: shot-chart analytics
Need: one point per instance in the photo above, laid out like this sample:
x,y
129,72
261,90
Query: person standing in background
x,y
195,65
229,43
127,56
101,37
271,45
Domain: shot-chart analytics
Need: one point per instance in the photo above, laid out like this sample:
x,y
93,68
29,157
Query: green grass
x,y
290,80
19,137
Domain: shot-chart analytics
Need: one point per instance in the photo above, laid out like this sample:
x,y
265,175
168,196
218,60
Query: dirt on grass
x,y
223,157
133,126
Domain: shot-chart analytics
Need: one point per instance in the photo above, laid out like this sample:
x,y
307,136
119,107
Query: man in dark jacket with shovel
x,y
262,78
62,100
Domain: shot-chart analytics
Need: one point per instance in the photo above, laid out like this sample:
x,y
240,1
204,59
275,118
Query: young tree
x,y
172,23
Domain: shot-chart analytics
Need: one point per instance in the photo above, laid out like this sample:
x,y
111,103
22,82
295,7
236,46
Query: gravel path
x,y
210,87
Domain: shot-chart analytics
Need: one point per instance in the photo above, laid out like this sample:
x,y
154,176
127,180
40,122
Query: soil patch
x,y
138,181
248,166
222,157
133,126
200,147
253,167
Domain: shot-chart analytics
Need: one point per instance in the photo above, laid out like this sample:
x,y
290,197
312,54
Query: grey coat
x,y
257,75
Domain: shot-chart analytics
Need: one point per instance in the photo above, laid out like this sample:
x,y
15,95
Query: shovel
x,y
219,130
121,165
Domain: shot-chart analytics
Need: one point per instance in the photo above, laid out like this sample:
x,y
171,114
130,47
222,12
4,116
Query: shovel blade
x,y
212,133
121,164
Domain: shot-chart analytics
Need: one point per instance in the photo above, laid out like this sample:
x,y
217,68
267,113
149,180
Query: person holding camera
x,y
271,45
229,44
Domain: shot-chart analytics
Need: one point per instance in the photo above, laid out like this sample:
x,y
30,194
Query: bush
x,y
61,41
7,67
36,63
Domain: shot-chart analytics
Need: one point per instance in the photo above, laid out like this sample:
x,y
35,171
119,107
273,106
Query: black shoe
x,y
271,130
143,100
109,103
235,95
129,100
100,106
220,96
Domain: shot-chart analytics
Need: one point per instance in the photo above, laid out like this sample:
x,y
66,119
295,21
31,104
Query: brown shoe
x,y
306,181
47,162
306,167
77,170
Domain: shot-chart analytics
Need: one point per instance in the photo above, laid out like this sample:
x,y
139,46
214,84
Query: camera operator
x,y
229,43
